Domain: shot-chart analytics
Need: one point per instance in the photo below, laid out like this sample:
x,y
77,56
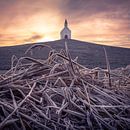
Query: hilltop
x,y
89,54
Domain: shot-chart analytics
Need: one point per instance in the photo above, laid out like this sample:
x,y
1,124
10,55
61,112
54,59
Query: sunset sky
x,y
98,21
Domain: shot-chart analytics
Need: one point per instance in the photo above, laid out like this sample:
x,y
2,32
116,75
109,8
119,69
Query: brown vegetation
x,y
58,93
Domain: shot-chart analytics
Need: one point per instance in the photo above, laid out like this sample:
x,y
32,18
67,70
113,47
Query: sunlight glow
x,y
45,39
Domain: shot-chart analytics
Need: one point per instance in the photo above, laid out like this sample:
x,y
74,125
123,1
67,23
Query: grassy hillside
x,y
89,54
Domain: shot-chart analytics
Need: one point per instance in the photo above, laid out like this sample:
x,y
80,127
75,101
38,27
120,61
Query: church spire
x,y
66,23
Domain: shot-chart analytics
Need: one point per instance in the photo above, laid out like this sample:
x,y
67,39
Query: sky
x,y
99,21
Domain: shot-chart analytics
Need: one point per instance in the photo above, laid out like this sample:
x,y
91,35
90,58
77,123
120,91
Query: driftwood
x,y
59,93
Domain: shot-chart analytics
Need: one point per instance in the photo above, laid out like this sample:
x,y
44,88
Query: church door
x,y
66,36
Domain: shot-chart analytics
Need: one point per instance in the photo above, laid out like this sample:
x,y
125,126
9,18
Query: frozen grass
x,y
59,93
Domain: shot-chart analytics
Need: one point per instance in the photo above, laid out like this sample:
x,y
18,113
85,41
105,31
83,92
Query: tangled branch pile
x,y
58,93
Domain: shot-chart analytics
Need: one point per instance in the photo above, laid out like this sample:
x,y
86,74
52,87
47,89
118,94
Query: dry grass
x,y
58,93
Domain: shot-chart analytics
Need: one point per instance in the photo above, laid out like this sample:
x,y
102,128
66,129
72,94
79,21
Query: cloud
x,y
33,38
8,39
86,17
17,12
92,7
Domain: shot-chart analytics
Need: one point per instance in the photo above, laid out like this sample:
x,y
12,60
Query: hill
x,y
89,54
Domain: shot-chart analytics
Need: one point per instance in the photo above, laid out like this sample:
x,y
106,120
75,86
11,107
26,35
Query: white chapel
x,y
65,32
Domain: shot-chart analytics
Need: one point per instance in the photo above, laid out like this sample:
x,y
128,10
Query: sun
x,y
45,39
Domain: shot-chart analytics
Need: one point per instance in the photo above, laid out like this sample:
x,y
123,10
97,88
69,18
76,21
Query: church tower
x,y
65,32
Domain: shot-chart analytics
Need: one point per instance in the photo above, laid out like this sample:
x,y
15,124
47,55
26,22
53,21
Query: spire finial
x,y
66,23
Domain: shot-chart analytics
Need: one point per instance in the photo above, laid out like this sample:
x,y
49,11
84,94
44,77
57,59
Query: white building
x,y
65,32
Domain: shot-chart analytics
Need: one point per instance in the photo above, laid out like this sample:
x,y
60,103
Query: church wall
x,y
64,33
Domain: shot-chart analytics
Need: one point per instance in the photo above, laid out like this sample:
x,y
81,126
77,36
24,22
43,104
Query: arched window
x,y
66,36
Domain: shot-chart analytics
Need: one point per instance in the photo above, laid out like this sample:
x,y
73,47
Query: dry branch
x,y
59,93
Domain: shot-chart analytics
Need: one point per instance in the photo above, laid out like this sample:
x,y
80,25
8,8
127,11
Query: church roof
x,y
65,29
